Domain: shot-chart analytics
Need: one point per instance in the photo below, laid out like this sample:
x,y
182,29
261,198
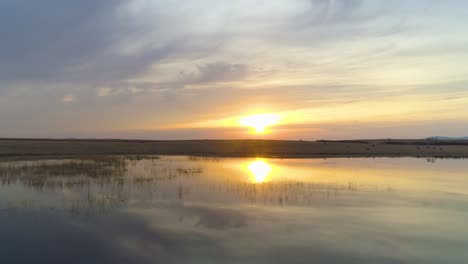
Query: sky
x,y
193,69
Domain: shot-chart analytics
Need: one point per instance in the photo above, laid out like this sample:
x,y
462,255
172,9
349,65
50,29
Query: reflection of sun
x,y
260,170
260,122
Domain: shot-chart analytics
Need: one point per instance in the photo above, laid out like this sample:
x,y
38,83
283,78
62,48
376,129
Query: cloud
x,y
215,72
87,42
332,11
217,218
208,75
69,98
126,64
42,40
333,22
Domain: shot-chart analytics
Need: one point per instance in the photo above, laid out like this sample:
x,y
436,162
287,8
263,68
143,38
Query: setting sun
x,y
260,122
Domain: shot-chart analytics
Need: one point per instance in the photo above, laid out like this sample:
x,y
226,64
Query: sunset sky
x,y
162,69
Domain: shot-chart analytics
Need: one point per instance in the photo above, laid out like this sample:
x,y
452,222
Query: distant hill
x,y
447,138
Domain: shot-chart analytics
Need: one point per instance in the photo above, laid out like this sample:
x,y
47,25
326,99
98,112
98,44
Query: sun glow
x,y
260,170
260,122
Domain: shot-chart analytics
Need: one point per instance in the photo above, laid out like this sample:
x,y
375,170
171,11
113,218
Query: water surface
x,y
220,210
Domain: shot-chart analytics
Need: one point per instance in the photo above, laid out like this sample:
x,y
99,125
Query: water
x,y
217,210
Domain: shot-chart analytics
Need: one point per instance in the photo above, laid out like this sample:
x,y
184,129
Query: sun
x,y
260,122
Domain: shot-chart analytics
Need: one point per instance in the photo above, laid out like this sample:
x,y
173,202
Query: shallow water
x,y
220,210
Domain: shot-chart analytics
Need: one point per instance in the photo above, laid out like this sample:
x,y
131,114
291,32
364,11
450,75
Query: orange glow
x,y
260,170
260,122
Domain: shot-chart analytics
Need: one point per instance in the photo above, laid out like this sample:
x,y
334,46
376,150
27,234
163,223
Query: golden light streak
x,y
260,170
260,122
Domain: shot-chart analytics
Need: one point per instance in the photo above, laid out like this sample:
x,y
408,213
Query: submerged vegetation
x,y
101,183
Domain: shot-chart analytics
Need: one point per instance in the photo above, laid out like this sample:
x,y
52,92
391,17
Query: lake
x,y
148,209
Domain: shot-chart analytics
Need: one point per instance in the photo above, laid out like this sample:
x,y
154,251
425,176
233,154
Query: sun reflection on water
x,y
260,170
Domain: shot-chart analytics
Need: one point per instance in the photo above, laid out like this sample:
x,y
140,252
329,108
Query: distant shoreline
x,y
22,148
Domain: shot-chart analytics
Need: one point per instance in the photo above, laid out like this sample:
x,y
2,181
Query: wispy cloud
x,y
139,64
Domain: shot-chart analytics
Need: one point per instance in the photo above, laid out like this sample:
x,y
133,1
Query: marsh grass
x,y
48,173
103,183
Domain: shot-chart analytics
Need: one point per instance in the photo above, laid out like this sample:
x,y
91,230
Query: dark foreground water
x,y
204,210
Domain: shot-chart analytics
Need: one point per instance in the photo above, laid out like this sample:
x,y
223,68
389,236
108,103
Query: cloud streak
x,y
123,65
